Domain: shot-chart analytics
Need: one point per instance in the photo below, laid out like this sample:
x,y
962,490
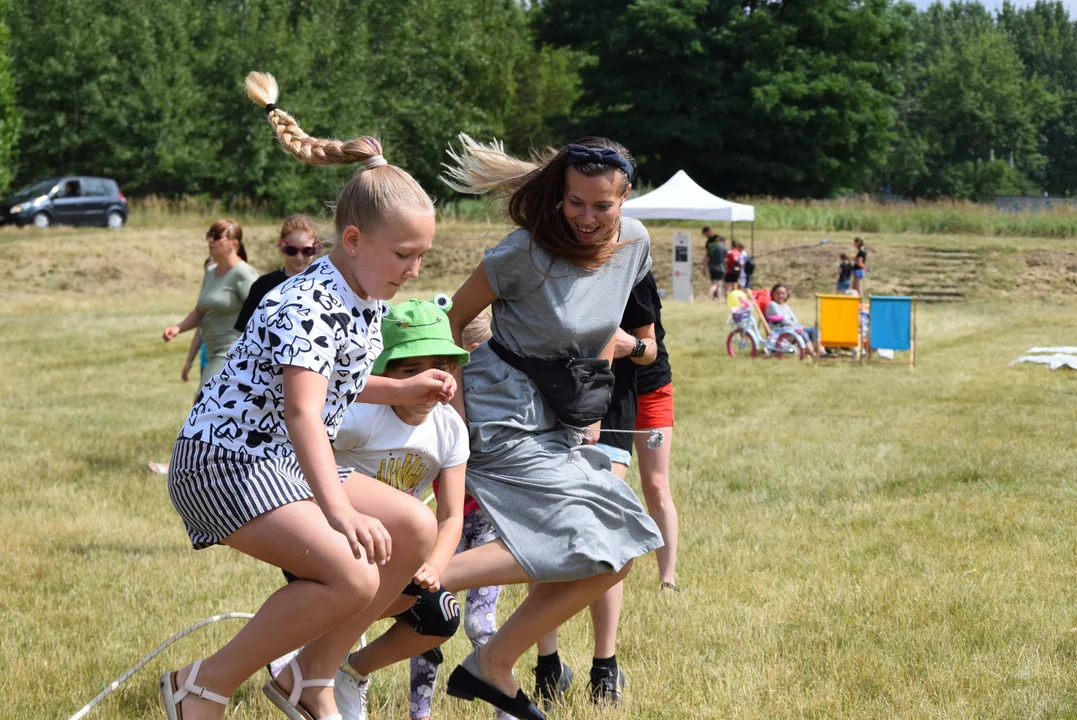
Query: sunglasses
x,y
292,250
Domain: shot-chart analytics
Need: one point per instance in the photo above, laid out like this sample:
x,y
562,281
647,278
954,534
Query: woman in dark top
x,y
299,245
860,266
845,274
654,411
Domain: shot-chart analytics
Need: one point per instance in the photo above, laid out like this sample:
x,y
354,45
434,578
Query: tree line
x,y
777,97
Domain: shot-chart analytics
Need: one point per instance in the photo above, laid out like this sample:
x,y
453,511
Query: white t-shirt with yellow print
x,y
377,443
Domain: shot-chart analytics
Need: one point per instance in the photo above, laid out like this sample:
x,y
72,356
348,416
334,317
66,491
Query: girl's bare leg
x,y
336,589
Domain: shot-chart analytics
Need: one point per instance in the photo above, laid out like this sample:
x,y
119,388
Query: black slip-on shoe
x,y
468,683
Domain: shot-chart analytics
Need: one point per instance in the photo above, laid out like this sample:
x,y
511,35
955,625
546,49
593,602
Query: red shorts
x,y
655,409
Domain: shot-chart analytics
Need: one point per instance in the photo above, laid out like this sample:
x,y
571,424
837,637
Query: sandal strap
x,y
192,688
299,684
330,682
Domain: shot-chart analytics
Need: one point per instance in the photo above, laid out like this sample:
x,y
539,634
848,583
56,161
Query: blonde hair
x,y
478,169
477,331
535,189
373,193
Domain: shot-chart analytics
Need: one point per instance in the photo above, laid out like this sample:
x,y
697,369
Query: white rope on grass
x,y
156,651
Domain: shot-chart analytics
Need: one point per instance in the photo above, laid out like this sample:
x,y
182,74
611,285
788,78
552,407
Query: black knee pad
x,y
436,614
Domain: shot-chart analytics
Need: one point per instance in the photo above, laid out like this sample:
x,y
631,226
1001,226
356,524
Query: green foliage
x,y
774,97
10,117
1045,38
788,98
157,100
971,118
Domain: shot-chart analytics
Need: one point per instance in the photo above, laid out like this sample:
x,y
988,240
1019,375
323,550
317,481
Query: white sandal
x,y
290,705
172,699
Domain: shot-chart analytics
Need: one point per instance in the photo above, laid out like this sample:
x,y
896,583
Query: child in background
x,y
732,268
737,298
407,447
747,267
845,274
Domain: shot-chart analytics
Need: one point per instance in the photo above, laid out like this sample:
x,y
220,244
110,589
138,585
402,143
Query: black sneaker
x,y
551,687
607,685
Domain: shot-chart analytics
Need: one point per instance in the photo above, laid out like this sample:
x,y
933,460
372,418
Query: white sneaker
x,y
350,692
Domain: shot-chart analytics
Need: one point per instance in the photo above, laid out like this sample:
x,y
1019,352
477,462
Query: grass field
x,y
856,542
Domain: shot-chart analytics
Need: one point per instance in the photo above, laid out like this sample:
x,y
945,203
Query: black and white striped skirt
x,y
217,491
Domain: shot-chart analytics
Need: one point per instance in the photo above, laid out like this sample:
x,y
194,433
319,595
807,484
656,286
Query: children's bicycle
x,y
745,339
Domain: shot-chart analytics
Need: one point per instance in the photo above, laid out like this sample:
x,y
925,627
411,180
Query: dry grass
x,y
856,542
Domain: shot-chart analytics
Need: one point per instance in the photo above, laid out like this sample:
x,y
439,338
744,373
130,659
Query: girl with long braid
x,y
557,287
253,468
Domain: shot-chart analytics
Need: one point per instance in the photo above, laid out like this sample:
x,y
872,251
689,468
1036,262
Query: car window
x,y
41,188
70,189
93,187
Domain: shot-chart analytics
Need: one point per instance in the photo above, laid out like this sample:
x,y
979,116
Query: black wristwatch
x,y
640,350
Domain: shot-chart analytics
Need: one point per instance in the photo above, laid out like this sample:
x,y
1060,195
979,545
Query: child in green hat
x,y
407,447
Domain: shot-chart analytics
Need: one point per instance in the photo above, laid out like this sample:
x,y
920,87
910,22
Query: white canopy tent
x,y
681,198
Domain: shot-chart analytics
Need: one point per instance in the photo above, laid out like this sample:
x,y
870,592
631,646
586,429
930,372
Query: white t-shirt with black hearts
x,y
312,320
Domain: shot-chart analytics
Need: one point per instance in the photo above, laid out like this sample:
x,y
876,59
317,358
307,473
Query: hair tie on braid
x,y
376,161
270,107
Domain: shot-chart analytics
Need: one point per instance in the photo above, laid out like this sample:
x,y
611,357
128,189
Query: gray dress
x,y
556,504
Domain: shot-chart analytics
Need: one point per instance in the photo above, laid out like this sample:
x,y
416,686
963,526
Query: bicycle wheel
x,y
740,343
789,344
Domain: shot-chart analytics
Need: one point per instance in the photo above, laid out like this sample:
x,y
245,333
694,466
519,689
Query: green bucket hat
x,y
418,328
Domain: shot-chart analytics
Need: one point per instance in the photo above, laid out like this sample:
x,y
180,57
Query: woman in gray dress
x,y
557,288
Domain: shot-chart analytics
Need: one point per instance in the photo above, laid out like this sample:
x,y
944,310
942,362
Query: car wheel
x,y
42,220
114,220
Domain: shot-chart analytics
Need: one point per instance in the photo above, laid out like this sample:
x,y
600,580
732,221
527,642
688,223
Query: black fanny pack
x,y
578,390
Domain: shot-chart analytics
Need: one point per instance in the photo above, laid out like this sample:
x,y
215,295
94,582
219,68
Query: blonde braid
x,y
262,89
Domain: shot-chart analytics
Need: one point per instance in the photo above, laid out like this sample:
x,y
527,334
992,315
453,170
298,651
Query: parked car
x,y
71,200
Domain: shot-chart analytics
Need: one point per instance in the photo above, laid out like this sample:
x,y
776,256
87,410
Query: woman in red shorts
x,y
654,411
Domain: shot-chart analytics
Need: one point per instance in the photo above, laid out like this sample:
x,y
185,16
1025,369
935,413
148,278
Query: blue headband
x,y
600,156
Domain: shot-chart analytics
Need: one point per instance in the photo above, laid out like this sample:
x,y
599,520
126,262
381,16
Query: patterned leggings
x,y
480,617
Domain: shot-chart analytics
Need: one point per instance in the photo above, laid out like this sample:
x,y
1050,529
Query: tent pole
x,y
731,235
753,238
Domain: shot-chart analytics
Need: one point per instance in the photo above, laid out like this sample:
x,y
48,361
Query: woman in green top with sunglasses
x,y
225,287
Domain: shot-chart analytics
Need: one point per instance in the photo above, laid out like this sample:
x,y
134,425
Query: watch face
x,y
640,349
